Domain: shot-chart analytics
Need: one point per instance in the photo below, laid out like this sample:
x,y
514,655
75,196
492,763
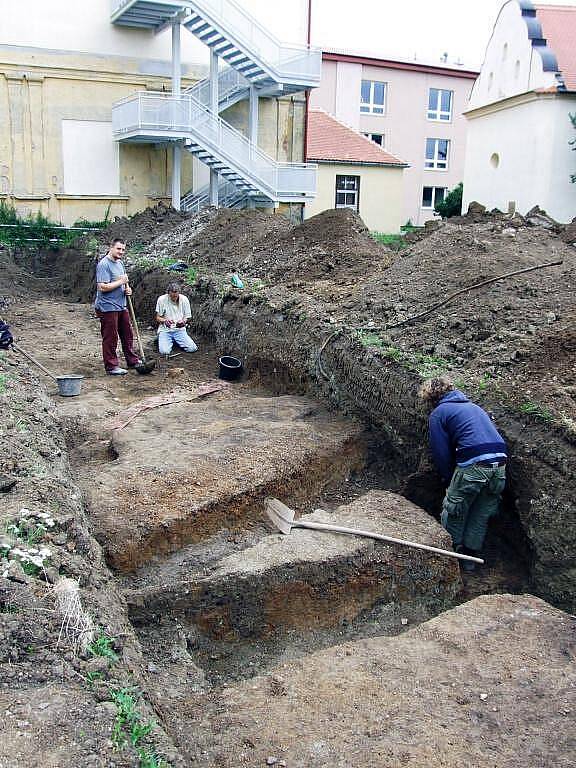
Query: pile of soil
x,y
334,245
231,237
144,226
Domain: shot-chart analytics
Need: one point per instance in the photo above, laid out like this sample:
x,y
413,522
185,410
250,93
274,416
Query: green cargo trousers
x,y
471,499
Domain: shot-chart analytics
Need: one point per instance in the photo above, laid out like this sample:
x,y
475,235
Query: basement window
x,y
431,196
373,97
348,192
440,104
437,154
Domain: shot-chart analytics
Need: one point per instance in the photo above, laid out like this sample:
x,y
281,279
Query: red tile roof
x,y
559,28
330,140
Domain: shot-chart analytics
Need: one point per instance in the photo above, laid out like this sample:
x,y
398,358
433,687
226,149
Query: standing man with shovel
x,y
112,290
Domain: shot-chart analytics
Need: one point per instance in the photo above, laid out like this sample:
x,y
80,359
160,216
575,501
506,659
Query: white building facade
x,y
518,151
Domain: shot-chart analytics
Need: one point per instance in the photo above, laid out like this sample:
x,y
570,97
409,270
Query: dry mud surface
x,y
231,640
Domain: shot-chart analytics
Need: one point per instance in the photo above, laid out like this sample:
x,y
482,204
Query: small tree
x,y
572,143
452,203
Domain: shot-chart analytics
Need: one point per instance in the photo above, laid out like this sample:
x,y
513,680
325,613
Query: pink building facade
x,y
413,111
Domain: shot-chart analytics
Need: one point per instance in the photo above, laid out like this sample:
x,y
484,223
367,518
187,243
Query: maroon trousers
x,y
112,326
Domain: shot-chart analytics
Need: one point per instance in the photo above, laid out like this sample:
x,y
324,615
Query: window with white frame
x,y
348,192
377,138
437,154
440,104
373,97
431,196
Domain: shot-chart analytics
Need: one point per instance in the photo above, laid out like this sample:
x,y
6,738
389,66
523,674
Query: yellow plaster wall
x,y
37,92
380,194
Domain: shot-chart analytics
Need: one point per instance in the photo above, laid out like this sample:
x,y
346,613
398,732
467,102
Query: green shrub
x,y
452,203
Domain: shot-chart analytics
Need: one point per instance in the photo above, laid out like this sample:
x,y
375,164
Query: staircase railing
x,y
186,117
237,24
230,83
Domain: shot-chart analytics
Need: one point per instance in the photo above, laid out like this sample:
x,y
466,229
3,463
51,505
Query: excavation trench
x,y
176,499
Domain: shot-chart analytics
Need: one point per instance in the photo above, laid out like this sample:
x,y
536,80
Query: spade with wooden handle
x,y
283,518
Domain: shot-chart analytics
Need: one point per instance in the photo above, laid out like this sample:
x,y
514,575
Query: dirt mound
x,y
231,237
335,245
178,242
144,226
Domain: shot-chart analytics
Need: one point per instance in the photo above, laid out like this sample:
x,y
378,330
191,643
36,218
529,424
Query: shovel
x,y
143,367
283,518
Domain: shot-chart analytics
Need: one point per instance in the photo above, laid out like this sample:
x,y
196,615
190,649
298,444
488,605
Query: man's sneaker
x,y
117,371
133,365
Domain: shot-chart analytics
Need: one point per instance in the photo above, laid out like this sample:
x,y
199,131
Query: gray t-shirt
x,y
106,272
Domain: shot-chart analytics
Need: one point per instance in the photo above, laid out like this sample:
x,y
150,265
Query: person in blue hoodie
x,y
470,455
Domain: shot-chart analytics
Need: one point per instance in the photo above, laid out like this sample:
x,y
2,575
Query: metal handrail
x,y
187,115
239,25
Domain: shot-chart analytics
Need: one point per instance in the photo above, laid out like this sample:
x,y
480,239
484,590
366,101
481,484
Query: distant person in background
x,y
111,290
470,454
172,315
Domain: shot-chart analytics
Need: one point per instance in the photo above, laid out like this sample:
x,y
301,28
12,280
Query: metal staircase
x,y
256,61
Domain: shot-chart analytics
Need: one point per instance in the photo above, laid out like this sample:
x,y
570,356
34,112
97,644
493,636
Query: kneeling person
x,y
172,314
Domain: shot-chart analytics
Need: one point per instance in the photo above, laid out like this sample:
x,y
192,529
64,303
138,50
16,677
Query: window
x,y
373,97
348,192
437,154
431,196
377,138
439,105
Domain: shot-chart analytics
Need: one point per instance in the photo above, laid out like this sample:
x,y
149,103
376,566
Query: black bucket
x,y
230,368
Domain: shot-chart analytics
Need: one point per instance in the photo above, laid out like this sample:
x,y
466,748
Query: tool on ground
x,y
68,386
143,367
283,518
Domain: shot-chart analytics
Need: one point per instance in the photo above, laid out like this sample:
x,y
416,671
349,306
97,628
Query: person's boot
x,y
467,565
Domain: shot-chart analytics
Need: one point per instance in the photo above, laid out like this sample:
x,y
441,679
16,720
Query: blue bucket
x,y
69,386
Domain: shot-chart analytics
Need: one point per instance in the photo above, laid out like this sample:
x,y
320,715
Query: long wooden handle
x,y
380,537
135,326
33,359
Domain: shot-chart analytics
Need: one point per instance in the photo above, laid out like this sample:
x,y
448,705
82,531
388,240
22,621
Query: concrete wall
x,y
518,152
380,194
404,124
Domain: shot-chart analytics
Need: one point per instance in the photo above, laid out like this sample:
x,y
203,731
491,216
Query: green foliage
x,y
3,380
102,646
535,409
149,759
130,727
370,339
37,230
167,262
191,275
452,203
396,242
572,143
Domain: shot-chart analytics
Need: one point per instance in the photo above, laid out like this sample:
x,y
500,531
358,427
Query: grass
x,y
370,339
38,230
129,727
535,409
191,275
393,241
426,366
102,646
3,382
